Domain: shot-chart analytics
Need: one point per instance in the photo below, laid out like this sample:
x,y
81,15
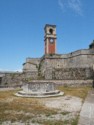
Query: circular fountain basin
x,y
39,89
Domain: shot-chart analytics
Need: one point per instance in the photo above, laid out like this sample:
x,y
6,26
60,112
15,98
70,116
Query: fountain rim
x,y
37,94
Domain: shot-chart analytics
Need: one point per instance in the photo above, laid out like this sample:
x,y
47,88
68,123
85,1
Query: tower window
x,y
51,31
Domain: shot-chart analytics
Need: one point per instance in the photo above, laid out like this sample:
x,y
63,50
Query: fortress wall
x,y
31,64
75,66
80,58
72,83
71,64
55,63
77,53
33,60
42,67
30,75
10,79
69,74
72,74
16,78
50,63
30,67
80,61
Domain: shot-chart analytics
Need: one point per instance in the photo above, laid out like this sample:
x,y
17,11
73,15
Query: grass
x,y
14,108
80,92
75,121
65,113
53,122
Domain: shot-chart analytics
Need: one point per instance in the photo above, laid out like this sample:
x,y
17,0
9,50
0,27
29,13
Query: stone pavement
x,y
87,112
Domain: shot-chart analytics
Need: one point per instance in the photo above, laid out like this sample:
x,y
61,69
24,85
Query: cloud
x,y
74,5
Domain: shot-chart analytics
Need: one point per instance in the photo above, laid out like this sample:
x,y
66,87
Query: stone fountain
x,y
39,89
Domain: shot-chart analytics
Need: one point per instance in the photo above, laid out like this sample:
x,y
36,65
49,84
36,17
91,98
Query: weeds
x,y
65,113
75,121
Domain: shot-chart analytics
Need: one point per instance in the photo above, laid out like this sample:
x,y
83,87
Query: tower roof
x,y
49,25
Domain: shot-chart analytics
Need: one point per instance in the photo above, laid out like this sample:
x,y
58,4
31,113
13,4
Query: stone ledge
x,y
74,83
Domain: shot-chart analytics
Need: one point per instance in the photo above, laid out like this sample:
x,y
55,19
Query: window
x,y
51,31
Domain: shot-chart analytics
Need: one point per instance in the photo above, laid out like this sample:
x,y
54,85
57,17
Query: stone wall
x,y
78,65
42,67
80,61
77,59
50,63
11,79
15,78
72,83
81,58
30,75
31,64
33,60
69,74
30,67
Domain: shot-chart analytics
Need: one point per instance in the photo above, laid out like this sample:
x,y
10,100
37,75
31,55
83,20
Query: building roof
x,y
49,25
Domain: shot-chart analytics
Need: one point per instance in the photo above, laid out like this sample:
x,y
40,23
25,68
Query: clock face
x,y
51,40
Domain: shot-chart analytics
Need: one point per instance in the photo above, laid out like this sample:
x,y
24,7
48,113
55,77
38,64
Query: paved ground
x,y
6,89
87,112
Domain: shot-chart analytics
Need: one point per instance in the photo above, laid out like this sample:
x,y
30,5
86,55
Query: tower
x,y
50,39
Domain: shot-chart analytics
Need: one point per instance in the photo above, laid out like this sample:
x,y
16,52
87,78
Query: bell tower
x,y
50,39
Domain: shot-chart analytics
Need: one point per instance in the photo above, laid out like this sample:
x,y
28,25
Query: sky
x,y
22,28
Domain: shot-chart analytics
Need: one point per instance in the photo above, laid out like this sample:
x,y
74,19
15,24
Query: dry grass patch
x,y
20,109
80,92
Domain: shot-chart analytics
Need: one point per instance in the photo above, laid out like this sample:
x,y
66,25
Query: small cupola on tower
x,y
50,39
